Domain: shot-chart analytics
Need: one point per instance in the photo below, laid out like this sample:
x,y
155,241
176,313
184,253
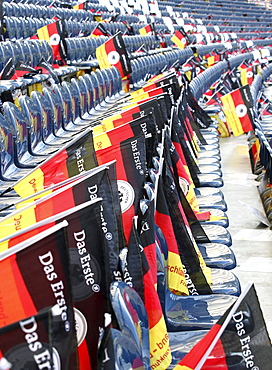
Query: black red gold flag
x,y
113,53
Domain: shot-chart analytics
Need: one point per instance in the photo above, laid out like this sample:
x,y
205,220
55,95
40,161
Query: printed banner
x,y
34,275
76,157
37,342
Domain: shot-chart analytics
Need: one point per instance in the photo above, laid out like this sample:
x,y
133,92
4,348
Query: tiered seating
x,y
45,118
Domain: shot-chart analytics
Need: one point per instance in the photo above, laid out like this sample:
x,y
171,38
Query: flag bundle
x,y
117,203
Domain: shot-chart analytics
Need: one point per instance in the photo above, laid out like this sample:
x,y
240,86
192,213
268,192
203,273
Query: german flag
x,y
99,30
180,39
74,193
80,6
239,339
175,273
254,153
138,267
49,332
126,145
189,253
237,106
52,33
113,53
76,157
35,275
146,29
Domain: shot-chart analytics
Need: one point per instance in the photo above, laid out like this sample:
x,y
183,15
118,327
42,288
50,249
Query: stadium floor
x,y
252,240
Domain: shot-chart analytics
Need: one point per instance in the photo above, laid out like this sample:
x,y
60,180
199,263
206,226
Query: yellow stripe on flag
x,y
105,125
160,353
231,115
43,33
17,222
101,141
179,42
182,367
139,97
31,184
28,200
243,76
136,93
192,199
176,279
210,61
102,57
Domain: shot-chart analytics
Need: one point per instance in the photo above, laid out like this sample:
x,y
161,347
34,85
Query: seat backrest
x,y
66,99
56,104
89,89
131,316
20,125
33,114
71,94
81,88
7,166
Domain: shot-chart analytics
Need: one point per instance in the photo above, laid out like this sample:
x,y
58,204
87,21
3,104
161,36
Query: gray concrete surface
x,y
252,241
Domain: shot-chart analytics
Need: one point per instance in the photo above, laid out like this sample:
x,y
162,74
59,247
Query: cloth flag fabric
x,y
239,338
53,34
236,106
76,157
113,53
34,275
99,30
160,354
180,39
146,30
36,341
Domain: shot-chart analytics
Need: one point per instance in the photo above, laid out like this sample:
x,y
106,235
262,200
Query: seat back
x,y
55,102
131,316
33,114
7,166
20,125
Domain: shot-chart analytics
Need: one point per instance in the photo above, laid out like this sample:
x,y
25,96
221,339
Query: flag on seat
x,y
237,108
146,29
113,53
180,39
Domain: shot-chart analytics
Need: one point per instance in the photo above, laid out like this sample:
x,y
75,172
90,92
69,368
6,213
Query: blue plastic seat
x,y
195,312
20,129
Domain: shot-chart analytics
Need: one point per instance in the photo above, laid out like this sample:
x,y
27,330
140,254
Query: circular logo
x,y
113,57
183,183
126,195
249,74
81,326
85,279
222,116
54,39
241,110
